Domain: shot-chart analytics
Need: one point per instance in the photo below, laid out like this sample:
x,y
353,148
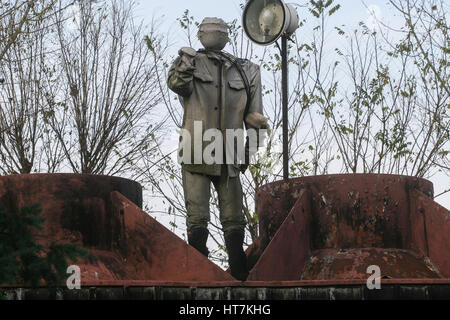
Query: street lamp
x,y
264,22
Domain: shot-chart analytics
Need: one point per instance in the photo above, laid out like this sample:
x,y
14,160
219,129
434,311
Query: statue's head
x,y
213,34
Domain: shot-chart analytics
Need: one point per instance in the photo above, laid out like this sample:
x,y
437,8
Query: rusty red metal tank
x,y
103,215
333,227
317,234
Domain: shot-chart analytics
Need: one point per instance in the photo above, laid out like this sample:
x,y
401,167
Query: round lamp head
x,y
265,21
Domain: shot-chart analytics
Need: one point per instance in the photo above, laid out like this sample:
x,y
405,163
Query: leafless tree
x,y
101,109
25,33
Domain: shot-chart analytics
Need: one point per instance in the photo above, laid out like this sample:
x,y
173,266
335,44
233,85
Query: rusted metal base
x,y
123,242
349,264
319,233
293,239
348,223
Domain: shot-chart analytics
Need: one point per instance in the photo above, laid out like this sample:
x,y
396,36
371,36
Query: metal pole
x,y
285,95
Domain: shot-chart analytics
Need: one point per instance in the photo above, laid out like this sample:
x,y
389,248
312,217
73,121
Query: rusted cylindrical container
x,y
103,215
75,206
350,222
348,211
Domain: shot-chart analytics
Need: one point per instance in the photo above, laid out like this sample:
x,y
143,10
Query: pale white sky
x,y
165,12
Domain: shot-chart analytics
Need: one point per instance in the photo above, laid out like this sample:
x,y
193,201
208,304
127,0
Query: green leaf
x,y
334,9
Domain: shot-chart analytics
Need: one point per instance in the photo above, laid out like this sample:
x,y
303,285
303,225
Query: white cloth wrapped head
x,y
213,34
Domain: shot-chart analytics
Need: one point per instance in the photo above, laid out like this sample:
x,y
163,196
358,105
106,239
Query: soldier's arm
x,y
255,116
180,79
254,119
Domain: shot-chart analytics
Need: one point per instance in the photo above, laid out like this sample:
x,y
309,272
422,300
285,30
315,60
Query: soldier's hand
x,y
187,51
186,60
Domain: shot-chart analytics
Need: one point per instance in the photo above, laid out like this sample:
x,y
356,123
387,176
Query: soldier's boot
x,y
236,256
197,238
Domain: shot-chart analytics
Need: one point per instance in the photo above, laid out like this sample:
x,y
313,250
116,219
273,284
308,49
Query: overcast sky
x,y
167,11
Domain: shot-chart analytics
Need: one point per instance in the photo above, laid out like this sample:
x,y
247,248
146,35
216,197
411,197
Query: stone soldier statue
x,y
220,92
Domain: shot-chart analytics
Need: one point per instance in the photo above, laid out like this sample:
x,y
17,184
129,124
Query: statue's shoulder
x,y
243,62
248,65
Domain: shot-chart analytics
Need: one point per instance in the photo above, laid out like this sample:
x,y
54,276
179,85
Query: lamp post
x,y
284,103
264,22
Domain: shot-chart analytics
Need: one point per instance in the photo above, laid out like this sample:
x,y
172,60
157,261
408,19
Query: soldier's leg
x,y
233,222
197,193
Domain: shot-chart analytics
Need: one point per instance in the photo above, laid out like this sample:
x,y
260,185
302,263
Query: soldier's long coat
x,y
212,91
